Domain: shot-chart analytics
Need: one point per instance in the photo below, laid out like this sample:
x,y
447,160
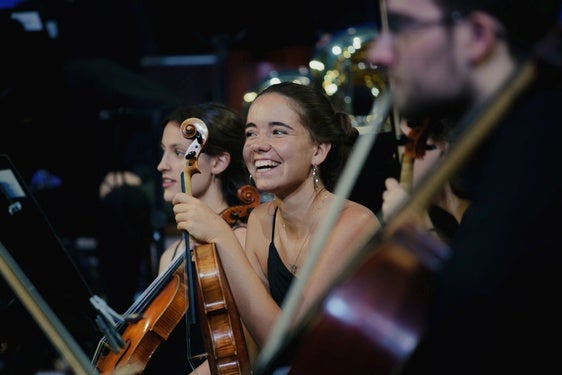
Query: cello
x,y
164,303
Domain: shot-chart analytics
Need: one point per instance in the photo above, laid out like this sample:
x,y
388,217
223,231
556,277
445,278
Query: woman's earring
x,y
315,176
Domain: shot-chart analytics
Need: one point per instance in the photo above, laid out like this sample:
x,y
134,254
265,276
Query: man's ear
x,y
485,32
220,162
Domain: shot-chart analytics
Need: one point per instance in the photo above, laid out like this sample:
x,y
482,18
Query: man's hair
x,y
525,21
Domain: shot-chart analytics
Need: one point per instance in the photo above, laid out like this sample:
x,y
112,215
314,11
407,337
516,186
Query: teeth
x,y
265,163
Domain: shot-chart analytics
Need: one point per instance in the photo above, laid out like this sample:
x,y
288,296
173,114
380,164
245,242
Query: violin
x,y
222,329
414,148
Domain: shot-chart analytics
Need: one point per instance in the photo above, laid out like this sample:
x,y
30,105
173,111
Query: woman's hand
x,y
392,198
114,180
195,217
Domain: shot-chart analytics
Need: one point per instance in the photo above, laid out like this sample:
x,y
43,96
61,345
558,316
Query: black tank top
x,y
279,276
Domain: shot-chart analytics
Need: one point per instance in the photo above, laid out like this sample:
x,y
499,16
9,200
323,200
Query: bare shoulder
x,y
355,211
260,223
261,215
258,236
356,219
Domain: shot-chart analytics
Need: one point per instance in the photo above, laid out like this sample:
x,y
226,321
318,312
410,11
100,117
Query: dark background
x,y
70,100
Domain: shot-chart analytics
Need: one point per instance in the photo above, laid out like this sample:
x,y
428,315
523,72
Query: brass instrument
x,y
341,69
300,75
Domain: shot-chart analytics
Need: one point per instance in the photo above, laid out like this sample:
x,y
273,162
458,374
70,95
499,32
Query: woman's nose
x,y
163,163
259,145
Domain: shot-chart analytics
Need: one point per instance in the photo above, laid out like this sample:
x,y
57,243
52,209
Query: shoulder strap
x,y
273,225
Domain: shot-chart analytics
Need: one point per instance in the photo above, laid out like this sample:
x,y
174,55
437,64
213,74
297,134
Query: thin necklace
x,y
294,266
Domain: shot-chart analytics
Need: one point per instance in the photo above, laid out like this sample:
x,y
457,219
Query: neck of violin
x,y
185,182
407,172
186,188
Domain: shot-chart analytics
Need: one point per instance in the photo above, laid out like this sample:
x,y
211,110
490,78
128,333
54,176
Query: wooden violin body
x,y
221,326
162,306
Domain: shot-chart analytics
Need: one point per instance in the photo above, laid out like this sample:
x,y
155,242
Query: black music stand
x,y
48,272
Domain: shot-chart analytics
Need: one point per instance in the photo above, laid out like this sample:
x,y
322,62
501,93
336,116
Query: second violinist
x,y
425,144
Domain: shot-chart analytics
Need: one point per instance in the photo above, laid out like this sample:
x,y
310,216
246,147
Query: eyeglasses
x,y
401,24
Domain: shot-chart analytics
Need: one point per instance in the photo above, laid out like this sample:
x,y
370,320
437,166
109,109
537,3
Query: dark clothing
x,y
280,278
495,302
444,223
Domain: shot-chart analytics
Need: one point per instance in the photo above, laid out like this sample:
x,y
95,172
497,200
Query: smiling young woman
x,y
296,145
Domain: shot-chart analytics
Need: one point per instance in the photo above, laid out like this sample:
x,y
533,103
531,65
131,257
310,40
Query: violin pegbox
x,y
195,129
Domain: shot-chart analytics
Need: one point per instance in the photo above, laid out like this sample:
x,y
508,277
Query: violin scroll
x,y
250,197
195,129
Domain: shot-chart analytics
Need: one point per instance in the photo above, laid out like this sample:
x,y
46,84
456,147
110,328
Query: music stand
x,y
45,280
